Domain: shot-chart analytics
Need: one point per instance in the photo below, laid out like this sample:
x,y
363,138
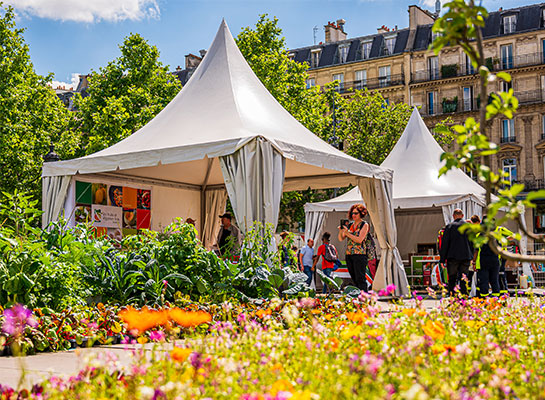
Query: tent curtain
x,y
254,177
377,195
467,204
54,191
215,201
314,223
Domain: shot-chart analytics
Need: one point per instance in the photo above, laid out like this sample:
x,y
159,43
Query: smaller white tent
x,y
423,201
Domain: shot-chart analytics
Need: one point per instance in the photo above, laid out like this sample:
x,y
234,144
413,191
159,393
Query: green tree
x,y
461,25
31,115
123,96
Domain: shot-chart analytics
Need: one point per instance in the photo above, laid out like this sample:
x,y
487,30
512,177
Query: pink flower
x,y
16,319
157,336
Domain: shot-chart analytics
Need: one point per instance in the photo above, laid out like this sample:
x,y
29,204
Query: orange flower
x,y
333,343
357,316
328,316
179,354
142,320
281,385
437,349
315,311
409,311
435,330
188,319
262,313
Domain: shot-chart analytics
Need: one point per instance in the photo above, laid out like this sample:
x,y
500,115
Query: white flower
x,y
146,392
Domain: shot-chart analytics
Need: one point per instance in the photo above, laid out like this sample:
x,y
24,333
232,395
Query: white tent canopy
x,y
415,160
224,130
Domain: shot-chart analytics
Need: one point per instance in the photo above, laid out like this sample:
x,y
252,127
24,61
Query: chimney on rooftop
x,y
437,8
202,52
334,32
383,29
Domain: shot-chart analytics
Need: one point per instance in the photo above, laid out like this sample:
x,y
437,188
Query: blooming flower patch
x,y
312,349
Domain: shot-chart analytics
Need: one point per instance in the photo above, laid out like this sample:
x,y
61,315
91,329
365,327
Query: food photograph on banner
x,y
115,211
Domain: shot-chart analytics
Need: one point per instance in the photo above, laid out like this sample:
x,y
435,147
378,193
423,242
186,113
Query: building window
x,y
366,50
384,76
315,58
543,50
468,67
467,96
340,78
510,168
507,131
509,24
505,86
342,53
433,67
310,82
361,79
389,46
506,53
432,103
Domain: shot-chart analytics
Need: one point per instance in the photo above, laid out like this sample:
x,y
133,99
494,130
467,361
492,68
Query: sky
x,y
72,37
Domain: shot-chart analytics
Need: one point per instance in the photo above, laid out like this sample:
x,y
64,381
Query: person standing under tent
x,y
329,255
229,238
356,253
457,251
306,255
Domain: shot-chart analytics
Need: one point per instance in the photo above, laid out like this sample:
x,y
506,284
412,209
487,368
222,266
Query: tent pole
x,y
203,197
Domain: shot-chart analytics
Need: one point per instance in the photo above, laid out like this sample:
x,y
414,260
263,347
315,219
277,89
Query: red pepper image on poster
x,y
143,219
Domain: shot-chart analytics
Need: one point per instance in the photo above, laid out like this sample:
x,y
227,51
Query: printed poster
x,y
106,216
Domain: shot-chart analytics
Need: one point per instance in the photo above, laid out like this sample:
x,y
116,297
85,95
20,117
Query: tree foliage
x,y
123,96
31,115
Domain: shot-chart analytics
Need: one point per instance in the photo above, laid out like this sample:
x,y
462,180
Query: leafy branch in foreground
x,y
461,26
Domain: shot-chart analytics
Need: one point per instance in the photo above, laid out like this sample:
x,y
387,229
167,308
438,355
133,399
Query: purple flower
x,y
16,319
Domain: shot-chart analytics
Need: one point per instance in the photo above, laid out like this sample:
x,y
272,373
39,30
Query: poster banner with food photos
x,y
113,210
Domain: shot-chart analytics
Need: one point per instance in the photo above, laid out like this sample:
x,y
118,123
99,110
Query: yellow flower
x,y
281,385
351,332
434,329
142,340
374,332
302,395
356,316
437,349
474,324
277,368
179,354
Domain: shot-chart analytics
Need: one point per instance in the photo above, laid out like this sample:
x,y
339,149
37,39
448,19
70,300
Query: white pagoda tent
x,y
423,201
225,134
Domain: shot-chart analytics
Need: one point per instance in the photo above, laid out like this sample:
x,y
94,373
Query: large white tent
x,y
422,200
224,132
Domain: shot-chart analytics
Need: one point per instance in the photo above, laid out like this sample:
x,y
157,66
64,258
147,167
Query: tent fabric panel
x,y
467,204
415,228
54,191
377,195
254,177
170,203
214,207
314,223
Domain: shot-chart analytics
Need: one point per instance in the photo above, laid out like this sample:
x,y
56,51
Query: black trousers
x,y
503,277
489,274
457,268
357,264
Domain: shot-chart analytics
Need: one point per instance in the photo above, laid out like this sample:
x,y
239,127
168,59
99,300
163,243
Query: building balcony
x,y
508,139
531,184
372,84
456,70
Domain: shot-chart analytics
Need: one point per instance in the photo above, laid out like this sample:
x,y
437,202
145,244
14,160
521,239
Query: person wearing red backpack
x,y
329,255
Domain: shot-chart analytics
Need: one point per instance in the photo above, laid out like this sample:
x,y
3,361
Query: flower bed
x,y
310,349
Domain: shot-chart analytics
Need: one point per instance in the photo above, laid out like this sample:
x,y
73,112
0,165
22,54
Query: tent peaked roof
x,y
222,107
416,160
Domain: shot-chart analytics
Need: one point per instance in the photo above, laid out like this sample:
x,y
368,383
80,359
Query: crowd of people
x,y
462,260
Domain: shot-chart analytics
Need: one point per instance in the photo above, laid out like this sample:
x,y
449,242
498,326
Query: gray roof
x,y
529,18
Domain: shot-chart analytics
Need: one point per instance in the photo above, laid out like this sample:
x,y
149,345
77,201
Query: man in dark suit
x,y
457,251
